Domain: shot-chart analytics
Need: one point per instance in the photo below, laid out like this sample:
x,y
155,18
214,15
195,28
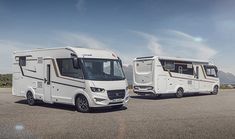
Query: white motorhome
x,y
158,75
82,77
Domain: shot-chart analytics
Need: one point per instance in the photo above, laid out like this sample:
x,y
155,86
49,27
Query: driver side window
x,y
67,68
107,67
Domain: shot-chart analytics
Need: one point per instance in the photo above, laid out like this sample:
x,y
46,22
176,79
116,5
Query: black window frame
x,y
48,74
22,61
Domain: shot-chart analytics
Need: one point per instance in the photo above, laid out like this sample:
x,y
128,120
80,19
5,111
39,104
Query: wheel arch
x,y
30,89
214,85
83,93
179,87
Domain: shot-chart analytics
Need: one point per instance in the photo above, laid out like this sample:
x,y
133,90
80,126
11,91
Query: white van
x,y
78,76
158,75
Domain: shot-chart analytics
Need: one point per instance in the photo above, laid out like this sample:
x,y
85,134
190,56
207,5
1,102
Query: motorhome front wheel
x,y
82,104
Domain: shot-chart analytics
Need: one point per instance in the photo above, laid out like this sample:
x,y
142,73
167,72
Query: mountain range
x,y
225,77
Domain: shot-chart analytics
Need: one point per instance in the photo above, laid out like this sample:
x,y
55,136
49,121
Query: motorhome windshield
x,y
211,70
103,69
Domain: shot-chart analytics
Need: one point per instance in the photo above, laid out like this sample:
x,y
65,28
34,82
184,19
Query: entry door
x,y
47,81
196,76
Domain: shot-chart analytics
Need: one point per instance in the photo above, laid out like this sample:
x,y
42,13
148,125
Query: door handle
x,y
45,80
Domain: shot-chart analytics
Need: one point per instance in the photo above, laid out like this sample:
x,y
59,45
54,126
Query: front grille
x,y
116,94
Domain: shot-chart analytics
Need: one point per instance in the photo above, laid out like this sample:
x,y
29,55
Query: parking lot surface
x,y
194,116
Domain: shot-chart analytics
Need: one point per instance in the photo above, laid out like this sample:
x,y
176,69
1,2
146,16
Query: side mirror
x,y
121,62
75,63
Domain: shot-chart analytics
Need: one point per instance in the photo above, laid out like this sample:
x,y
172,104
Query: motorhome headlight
x,y
94,89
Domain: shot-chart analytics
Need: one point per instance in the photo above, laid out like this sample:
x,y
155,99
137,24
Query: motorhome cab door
x,y
47,81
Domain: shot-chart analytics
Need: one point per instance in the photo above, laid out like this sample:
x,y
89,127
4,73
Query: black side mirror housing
x,y
120,61
75,63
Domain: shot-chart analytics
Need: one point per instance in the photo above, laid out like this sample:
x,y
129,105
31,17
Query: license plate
x,y
116,100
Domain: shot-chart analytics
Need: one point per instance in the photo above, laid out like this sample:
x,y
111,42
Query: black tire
x,y
215,90
30,99
117,106
179,93
82,104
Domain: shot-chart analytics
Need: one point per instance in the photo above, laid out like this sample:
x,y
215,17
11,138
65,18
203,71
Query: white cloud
x,y
179,44
194,46
184,36
80,5
175,43
7,48
152,43
79,39
84,40
63,39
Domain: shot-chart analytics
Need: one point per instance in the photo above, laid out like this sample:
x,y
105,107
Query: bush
x,y
226,86
5,80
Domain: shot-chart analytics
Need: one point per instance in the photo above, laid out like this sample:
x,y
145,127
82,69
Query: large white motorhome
x,y
158,75
82,77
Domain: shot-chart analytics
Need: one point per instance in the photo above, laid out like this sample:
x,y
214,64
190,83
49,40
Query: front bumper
x,y
102,100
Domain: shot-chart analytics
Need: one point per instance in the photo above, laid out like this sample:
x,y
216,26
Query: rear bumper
x,y
144,93
144,90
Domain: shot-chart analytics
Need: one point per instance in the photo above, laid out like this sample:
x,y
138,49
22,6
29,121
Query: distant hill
x,y
225,78
129,73
5,80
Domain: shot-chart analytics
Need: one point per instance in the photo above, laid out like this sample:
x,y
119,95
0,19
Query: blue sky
x,y
203,29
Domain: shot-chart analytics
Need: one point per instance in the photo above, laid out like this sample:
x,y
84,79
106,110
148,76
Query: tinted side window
x,y
67,69
22,61
184,68
168,65
177,66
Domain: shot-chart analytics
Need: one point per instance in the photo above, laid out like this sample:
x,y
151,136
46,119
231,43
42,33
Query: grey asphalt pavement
x,y
194,116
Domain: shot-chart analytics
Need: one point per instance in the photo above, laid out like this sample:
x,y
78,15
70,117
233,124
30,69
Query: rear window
x,y
144,65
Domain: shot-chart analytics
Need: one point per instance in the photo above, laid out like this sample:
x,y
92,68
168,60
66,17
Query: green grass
x,y
5,80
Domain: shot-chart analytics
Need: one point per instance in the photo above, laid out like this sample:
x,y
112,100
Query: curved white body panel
x,y
153,78
40,74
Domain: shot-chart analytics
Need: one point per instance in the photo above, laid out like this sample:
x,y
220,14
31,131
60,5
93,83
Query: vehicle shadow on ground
x,y
168,96
70,107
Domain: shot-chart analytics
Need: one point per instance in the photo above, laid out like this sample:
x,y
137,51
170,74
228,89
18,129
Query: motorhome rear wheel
x,y
31,101
179,93
215,90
